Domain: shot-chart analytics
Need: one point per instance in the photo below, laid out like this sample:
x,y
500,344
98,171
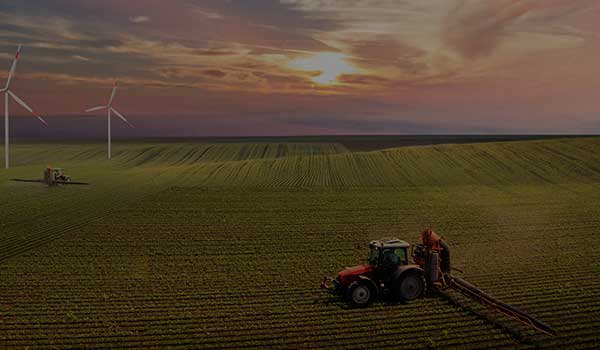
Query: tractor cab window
x,y
393,257
401,253
390,258
374,256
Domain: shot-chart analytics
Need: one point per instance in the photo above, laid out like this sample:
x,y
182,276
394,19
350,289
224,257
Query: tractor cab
x,y
58,173
388,254
54,175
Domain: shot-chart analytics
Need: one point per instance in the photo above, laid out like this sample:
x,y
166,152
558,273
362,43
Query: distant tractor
x,y
54,177
389,273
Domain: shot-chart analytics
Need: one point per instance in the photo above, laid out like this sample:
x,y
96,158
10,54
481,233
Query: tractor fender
x,y
403,270
372,283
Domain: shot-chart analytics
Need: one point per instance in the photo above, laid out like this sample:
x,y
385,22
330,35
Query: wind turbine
x,y
110,110
8,93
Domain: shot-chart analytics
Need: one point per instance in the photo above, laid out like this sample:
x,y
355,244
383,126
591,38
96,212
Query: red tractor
x,y
389,273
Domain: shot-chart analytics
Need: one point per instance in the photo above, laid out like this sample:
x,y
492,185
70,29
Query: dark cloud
x,y
215,73
212,52
98,43
386,49
272,13
262,22
173,73
278,79
364,79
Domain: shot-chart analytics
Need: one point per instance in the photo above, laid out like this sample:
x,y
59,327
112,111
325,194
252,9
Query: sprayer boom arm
x,y
70,182
26,180
469,290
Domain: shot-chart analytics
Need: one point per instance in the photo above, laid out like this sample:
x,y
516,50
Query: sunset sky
x,y
292,67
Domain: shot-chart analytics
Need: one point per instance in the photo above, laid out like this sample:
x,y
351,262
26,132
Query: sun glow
x,y
326,66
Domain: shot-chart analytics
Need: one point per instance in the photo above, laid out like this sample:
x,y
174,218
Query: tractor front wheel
x,y
410,286
360,294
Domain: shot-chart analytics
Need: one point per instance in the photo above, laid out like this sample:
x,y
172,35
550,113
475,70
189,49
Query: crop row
x,y
238,267
247,326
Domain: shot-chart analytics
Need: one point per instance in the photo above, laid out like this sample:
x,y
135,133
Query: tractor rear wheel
x,y
360,294
410,286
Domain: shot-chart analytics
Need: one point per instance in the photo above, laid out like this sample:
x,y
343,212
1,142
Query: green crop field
x,y
223,245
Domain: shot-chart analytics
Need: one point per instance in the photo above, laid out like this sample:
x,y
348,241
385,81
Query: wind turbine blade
x,y
94,109
42,120
13,67
122,117
112,95
24,105
19,101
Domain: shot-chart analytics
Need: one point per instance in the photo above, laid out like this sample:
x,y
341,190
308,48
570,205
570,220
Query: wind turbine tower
x,y
110,110
7,94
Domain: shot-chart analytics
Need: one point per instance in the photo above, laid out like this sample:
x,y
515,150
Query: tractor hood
x,y
345,276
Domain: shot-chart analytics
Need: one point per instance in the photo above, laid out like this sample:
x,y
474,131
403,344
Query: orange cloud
x,y
474,29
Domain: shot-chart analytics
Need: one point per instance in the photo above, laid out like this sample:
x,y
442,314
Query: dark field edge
x,y
355,143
